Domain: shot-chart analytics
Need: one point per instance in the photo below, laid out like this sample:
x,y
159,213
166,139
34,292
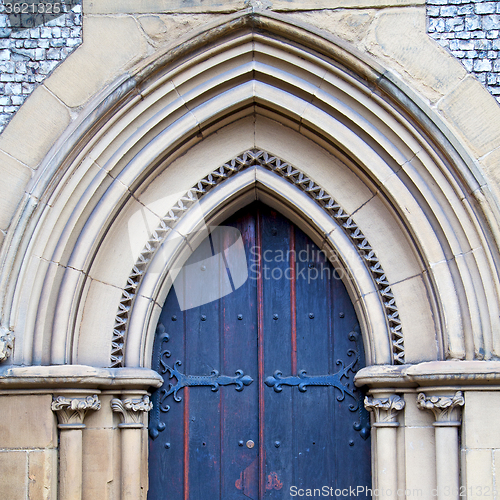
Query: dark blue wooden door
x,y
258,400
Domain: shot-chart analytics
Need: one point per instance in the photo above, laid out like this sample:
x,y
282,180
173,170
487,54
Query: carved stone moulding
x,y
301,181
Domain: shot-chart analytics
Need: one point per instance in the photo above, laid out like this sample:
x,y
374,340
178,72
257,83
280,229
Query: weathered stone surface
x,y
476,420
14,177
17,414
490,165
398,36
42,474
40,122
163,6
91,67
479,470
14,476
348,25
164,28
291,5
472,114
98,459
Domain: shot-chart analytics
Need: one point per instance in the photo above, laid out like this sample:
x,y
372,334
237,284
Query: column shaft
x,y
131,464
70,468
447,457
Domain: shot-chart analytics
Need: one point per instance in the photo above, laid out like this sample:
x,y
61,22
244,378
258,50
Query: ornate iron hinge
x,y
214,380
277,381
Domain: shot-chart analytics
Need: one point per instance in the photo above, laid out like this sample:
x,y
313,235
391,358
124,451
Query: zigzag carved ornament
x,y
301,181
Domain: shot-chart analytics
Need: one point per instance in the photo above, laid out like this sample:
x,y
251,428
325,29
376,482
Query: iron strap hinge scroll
x,y
302,380
214,380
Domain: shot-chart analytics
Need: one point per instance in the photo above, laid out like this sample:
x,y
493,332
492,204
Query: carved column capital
x,y
130,410
71,411
6,344
385,409
446,409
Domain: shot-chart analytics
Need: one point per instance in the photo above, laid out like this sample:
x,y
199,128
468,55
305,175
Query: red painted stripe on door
x,y
260,337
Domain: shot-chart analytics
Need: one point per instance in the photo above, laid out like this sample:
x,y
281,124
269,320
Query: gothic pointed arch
x,y
259,82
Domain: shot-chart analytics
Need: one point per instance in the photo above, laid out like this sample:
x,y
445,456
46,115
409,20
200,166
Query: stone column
x,y
385,410
70,412
447,412
131,414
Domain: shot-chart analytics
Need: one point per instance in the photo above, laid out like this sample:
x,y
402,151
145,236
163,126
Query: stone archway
x,y
359,133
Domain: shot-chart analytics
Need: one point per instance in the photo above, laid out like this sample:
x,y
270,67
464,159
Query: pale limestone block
x,y
165,28
127,136
416,313
443,196
39,122
98,463
123,243
479,473
14,476
350,25
291,5
302,73
154,6
14,177
104,418
420,461
413,416
473,115
491,168
42,474
78,186
453,326
477,414
17,414
388,240
111,45
335,177
398,37
96,328
197,163
197,77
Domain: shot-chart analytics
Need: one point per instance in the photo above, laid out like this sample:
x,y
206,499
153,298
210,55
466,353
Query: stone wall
x,y
470,31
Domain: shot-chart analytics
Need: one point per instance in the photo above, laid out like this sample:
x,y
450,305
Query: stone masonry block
x,y
41,120
27,422
14,476
91,67
469,110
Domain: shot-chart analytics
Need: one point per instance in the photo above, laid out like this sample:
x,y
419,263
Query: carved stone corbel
x,y
130,410
446,409
71,412
385,409
6,344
